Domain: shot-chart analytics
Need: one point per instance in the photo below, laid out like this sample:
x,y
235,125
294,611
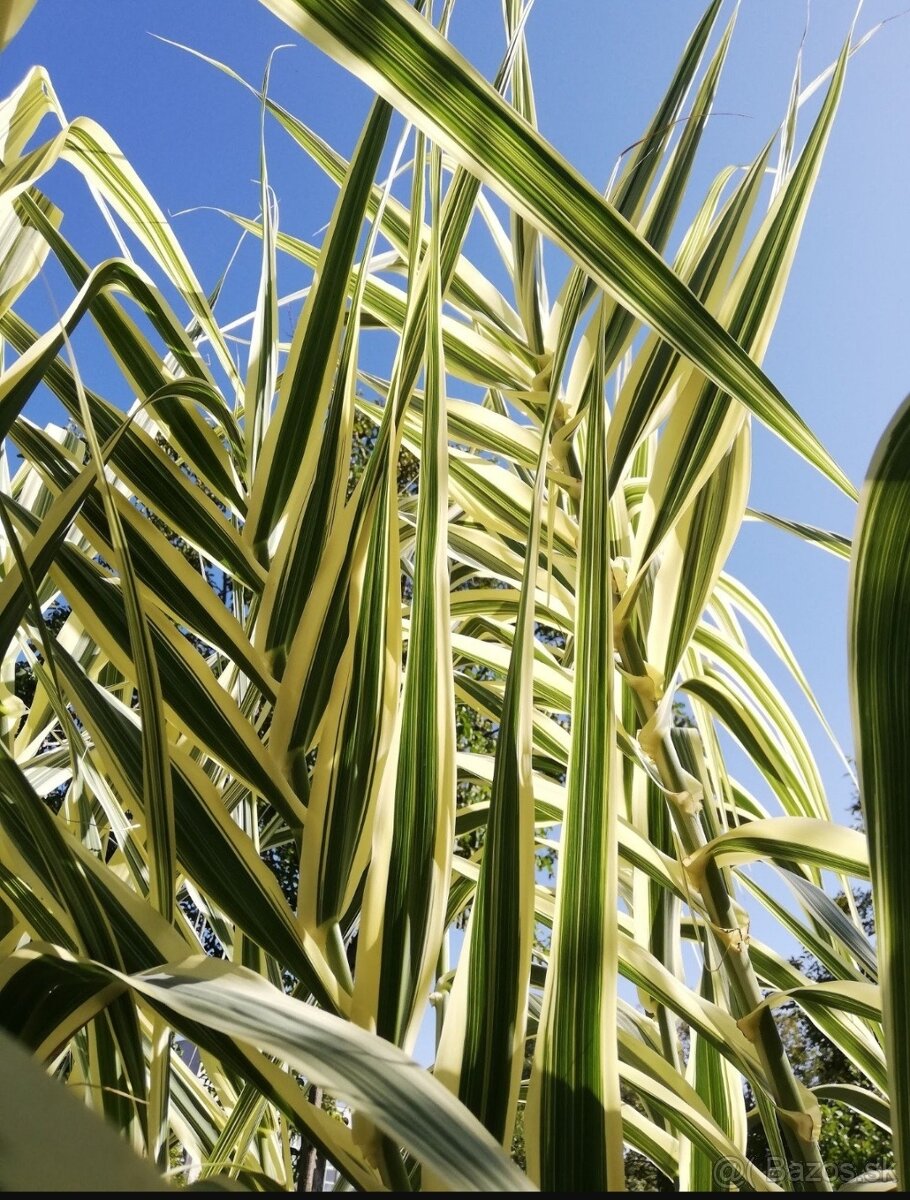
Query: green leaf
x,y
392,49
88,1156
575,1103
375,1077
879,622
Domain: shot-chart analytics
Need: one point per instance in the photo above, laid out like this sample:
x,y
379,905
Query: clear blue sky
x,y
840,352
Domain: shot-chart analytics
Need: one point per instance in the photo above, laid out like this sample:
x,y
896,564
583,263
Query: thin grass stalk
x,y
799,1124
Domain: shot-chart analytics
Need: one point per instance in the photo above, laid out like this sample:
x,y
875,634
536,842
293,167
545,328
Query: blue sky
x,y
841,351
